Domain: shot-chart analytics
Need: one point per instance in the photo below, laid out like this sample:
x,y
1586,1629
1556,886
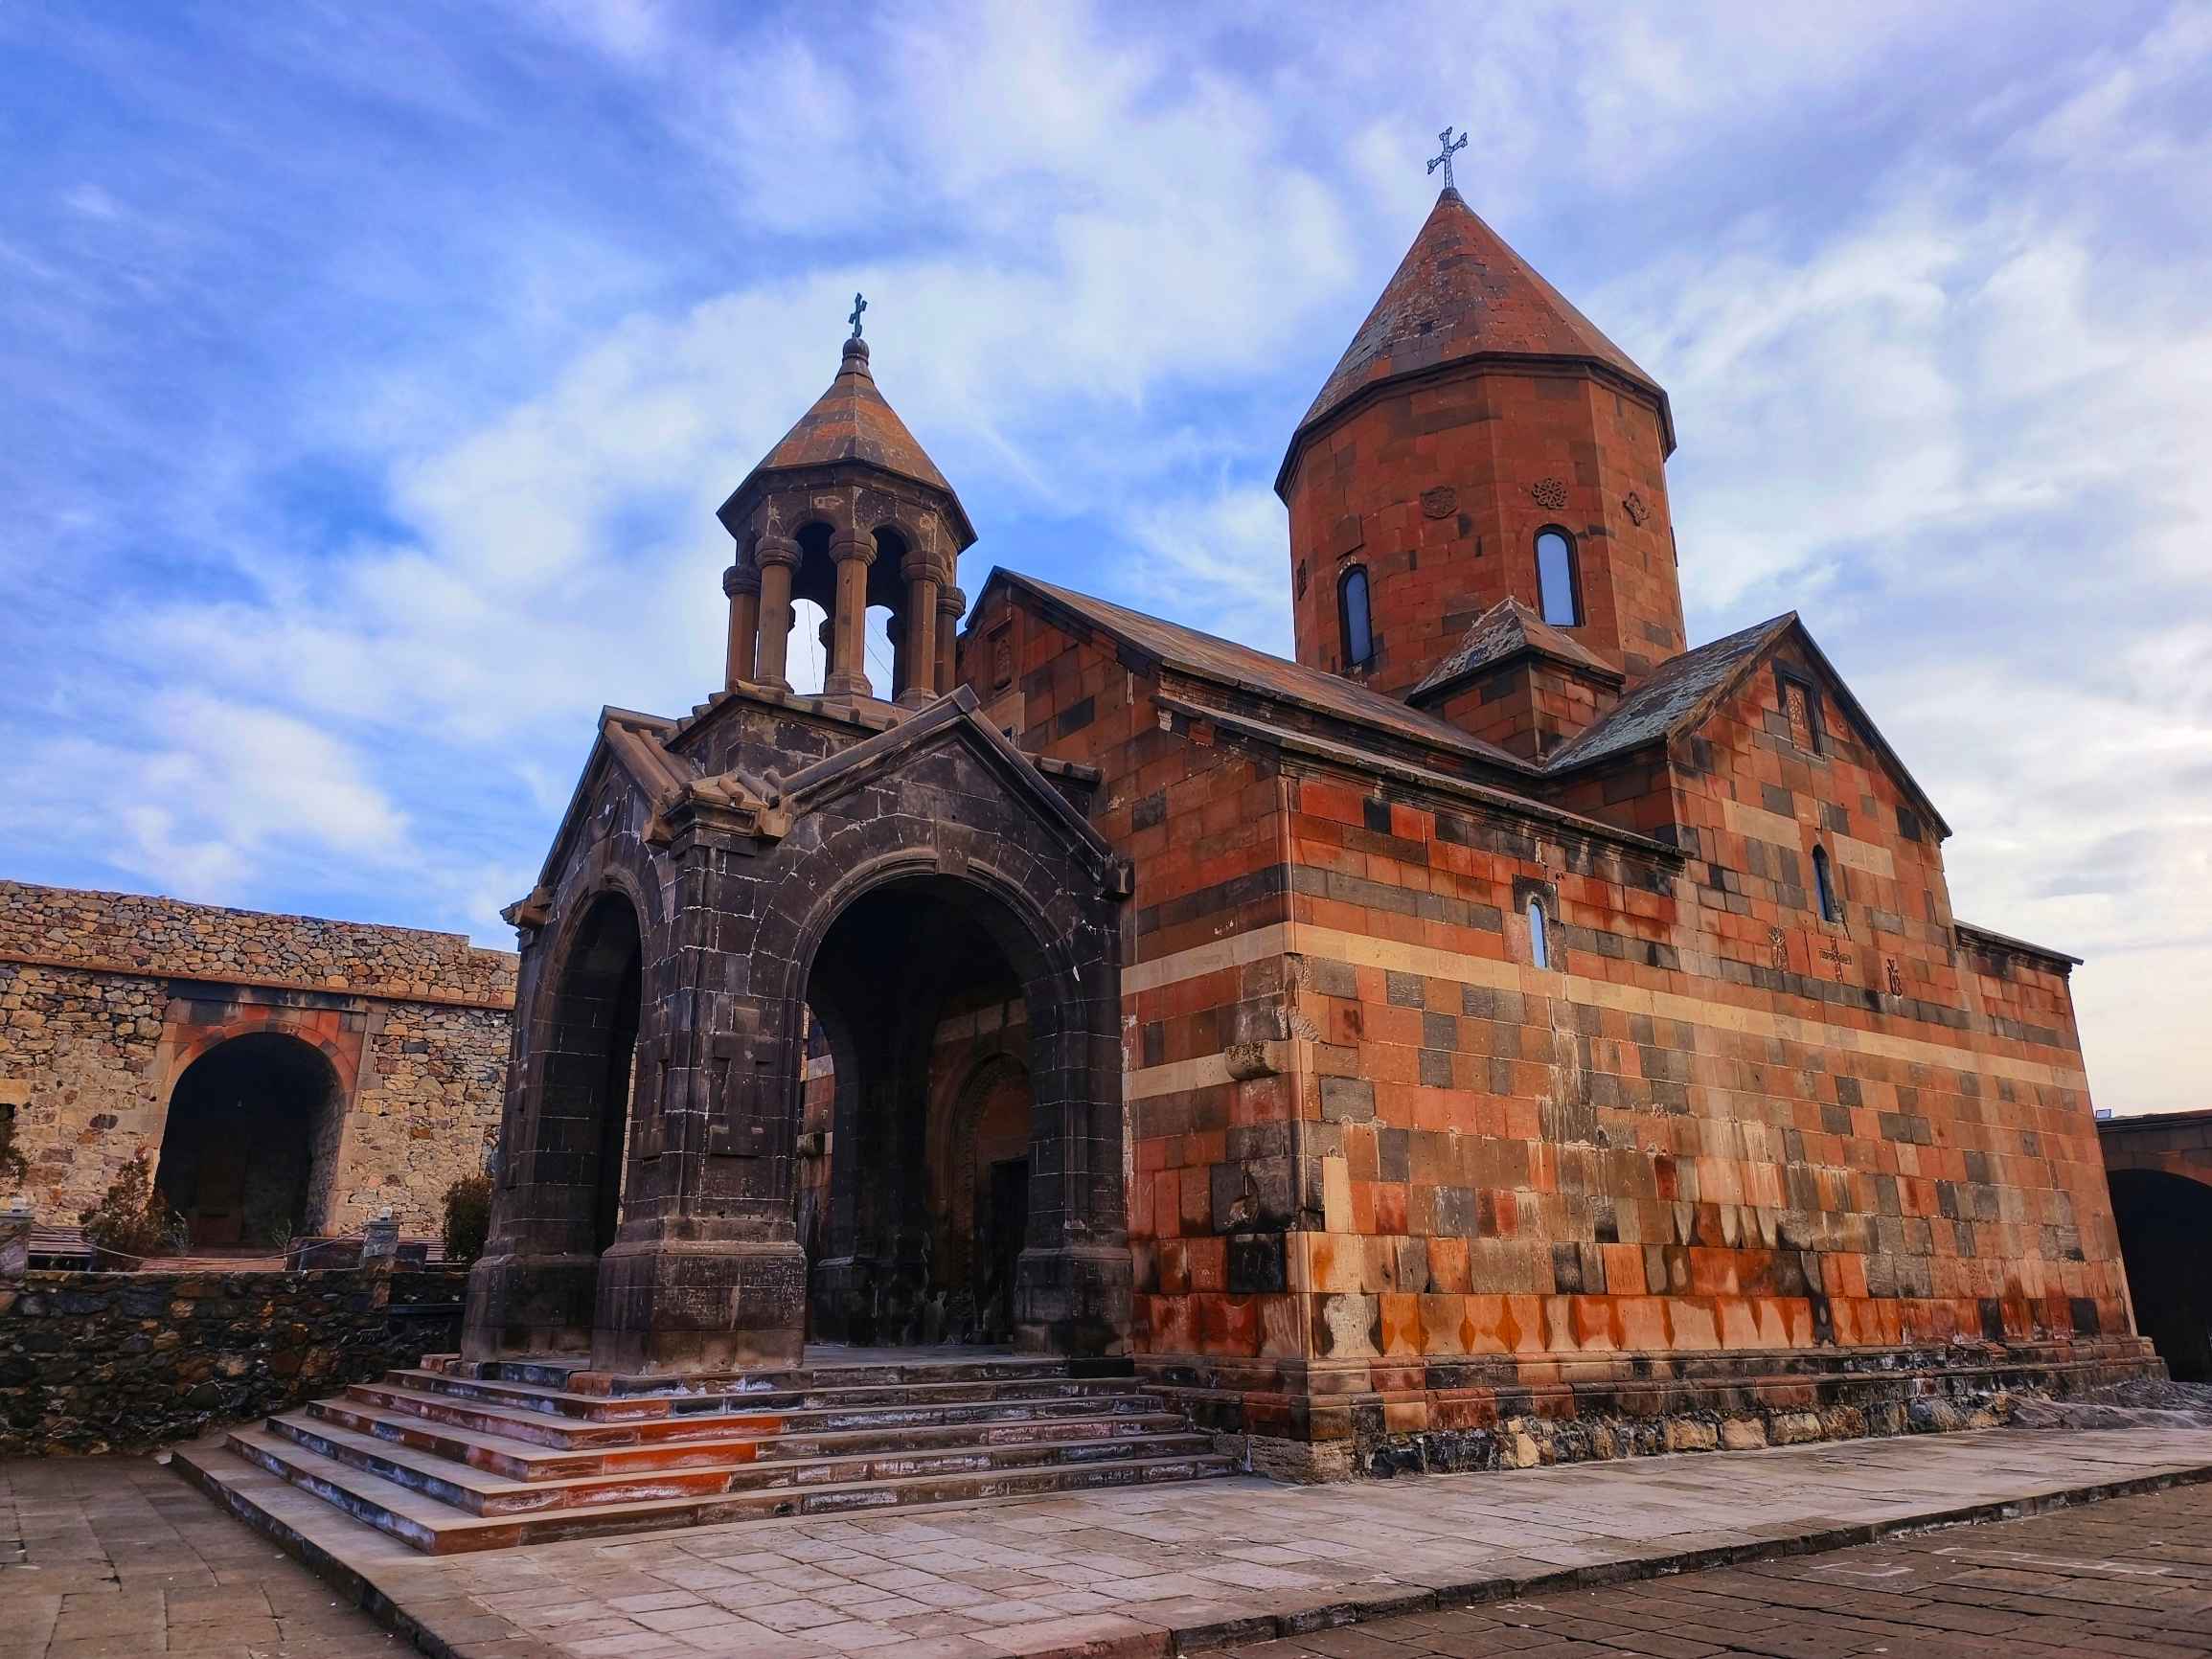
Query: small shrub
x,y
134,1220
12,1168
468,1218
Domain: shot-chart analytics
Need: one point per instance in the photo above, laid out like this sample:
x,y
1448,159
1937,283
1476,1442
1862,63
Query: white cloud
x,y
1943,375
1218,562
217,790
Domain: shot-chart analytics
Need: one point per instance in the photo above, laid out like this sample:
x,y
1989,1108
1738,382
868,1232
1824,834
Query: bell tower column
x,y
951,603
920,570
847,675
741,582
777,555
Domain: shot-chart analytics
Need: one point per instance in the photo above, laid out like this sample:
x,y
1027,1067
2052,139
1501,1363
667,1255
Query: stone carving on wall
x,y
1636,506
1442,501
1549,492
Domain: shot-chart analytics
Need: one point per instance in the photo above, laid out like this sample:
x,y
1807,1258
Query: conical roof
x,y
852,421
1461,292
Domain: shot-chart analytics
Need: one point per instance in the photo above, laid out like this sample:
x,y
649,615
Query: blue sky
x,y
371,374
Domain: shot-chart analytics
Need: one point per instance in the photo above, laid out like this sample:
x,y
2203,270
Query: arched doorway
x,y
931,1149
560,1201
252,1135
583,1111
2165,1227
980,1181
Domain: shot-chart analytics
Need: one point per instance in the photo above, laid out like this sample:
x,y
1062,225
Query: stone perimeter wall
x,y
105,1000
101,1362
136,933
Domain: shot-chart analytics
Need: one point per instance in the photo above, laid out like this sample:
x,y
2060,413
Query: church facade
x,y
1502,1021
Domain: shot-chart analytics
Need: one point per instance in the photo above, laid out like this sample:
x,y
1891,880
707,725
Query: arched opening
x,y
884,649
1824,886
582,1123
932,1146
980,1180
1557,584
1353,612
813,604
1539,945
2165,1227
252,1138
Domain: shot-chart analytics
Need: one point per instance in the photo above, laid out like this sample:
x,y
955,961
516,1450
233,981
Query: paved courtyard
x,y
119,1557
2130,1577
116,1555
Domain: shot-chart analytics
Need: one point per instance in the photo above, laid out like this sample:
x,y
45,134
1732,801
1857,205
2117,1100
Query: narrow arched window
x,y
1352,605
1554,579
1824,886
1538,946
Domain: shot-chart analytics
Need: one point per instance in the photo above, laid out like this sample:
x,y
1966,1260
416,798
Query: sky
x,y
369,377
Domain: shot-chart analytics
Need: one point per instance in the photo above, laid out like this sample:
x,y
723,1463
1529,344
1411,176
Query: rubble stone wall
x,y
107,999
98,1362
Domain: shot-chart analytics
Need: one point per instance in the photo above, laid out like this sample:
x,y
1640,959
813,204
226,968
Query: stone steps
x,y
809,1397
542,1427
757,1439
446,1458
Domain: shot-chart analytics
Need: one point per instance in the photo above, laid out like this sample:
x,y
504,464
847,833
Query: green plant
x,y
468,1218
134,1219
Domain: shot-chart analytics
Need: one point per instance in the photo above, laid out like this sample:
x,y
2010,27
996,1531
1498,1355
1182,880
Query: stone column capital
x,y
740,579
776,550
845,544
950,601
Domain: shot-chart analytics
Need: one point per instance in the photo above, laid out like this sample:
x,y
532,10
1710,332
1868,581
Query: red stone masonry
x,y
1376,1153
1434,468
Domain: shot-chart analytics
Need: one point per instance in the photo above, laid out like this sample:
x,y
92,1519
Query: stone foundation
x,y
1639,1407
117,1362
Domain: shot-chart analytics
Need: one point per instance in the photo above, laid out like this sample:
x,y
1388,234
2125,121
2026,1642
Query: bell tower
x,y
849,511
1479,442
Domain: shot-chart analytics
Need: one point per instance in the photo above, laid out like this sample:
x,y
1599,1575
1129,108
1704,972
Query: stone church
x,y
1504,1009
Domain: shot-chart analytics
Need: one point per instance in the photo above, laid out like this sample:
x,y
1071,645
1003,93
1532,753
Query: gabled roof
x,y
1507,630
1459,293
1679,696
852,421
1673,696
636,745
1240,667
951,718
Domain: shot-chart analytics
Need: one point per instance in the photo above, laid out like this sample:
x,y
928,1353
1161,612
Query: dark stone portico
x,y
732,844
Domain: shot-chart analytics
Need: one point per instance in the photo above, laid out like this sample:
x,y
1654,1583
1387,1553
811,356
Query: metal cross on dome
x,y
859,305
1445,160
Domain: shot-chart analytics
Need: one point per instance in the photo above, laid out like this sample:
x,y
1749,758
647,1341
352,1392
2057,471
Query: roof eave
x,y
734,521
1464,742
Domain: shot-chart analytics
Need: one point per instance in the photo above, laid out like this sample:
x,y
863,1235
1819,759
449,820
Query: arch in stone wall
x,y
250,1140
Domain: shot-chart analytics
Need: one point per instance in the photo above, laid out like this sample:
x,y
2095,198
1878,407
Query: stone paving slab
x,y
1175,1569
2130,1577
115,1555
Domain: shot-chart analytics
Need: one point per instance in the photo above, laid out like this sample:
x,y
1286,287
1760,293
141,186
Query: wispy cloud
x,y
375,376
